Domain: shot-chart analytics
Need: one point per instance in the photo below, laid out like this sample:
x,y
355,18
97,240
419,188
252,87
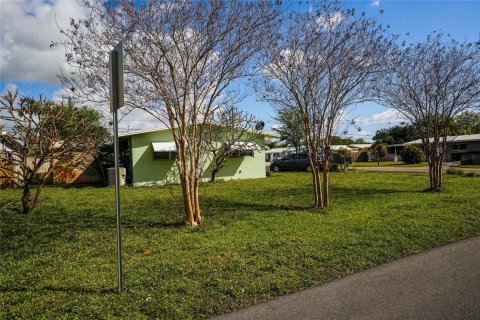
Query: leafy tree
x,y
181,61
359,141
430,83
397,134
467,122
339,140
291,127
412,154
104,148
379,148
46,136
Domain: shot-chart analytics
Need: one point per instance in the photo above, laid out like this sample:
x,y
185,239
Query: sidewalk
x,y
442,283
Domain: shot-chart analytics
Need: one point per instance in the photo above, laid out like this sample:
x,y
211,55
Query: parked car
x,y
295,161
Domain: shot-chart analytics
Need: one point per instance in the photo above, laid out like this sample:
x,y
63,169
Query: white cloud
x,y
375,3
138,120
329,21
363,134
134,120
10,87
27,29
385,117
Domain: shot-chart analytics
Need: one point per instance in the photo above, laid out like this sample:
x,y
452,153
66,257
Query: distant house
x,y
354,151
361,152
83,173
62,174
7,146
6,143
151,159
274,153
465,148
360,147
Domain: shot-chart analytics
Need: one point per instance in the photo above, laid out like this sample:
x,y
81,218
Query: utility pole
x,y
116,102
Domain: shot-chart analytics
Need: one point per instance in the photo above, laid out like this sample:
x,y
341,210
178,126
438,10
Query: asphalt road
x,y
442,283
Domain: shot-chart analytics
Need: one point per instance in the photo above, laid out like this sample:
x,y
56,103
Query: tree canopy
x,y
290,127
467,122
397,134
46,136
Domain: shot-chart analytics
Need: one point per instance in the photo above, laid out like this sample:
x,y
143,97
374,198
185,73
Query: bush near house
x,y
453,171
412,154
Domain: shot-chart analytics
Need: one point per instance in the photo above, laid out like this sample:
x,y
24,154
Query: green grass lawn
x,y
387,164
260,239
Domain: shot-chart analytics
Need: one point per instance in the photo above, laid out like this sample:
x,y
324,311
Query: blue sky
x,y
27,62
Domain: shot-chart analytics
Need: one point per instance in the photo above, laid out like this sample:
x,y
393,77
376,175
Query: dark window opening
x,y
164,155
459,146
242,153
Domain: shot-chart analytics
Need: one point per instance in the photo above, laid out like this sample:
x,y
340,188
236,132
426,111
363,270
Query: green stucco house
x,y
149,158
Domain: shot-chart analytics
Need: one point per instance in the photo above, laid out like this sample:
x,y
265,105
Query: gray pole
x,y
114,57
117,201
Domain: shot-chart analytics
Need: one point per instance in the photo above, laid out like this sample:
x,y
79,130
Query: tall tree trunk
x,y
326,193
435,170
438,176
189,178
187,201
319,197
197,212
26,198
36,199
213,175
317,184
219,163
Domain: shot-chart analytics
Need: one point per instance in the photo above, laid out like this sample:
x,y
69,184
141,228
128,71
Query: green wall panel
x,y
149,172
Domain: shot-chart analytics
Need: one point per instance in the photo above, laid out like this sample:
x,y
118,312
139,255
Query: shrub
x,y
412,154
379,149
455,171
470,174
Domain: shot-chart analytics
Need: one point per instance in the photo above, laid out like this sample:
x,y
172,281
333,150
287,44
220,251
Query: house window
x,y
164,155
242,153
459,146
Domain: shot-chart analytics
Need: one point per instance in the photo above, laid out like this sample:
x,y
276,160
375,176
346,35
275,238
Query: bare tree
x,y
430,83
44,136
322,64
230,132
181,61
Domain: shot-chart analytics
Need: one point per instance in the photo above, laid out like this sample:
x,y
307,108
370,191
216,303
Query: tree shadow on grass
x,y
61,289
61,223
80,186
352,192
25,236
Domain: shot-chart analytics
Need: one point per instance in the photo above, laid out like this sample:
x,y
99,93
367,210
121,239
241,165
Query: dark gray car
x,y
293,162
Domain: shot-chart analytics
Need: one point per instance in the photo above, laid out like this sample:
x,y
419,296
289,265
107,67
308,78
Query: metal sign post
x,y
116,102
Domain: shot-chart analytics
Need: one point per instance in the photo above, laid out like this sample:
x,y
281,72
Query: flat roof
x,y
132,133
280,150
360,145
462,138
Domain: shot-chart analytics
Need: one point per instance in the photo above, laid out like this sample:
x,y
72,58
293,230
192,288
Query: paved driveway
x,y
442,283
